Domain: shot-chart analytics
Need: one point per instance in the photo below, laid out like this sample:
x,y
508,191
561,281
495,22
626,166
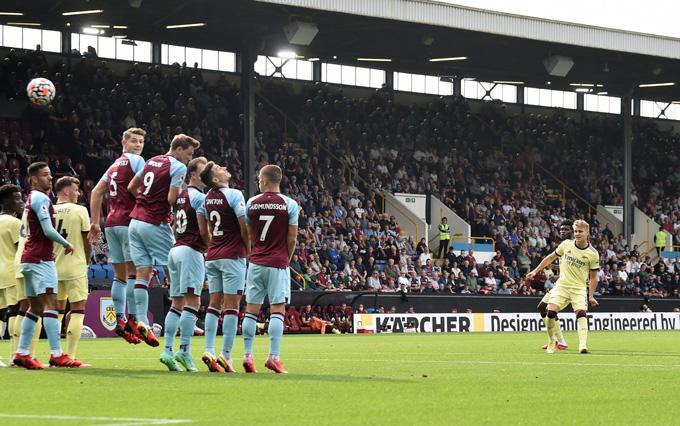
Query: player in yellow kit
x,y
579,261
10,205
72,219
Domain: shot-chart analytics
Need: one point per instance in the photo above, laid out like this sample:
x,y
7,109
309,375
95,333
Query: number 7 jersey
x,y
269,215
223,207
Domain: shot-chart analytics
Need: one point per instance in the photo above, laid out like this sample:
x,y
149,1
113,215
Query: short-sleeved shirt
x,y
38,246
72,221
9,238
189,205
158,176
576,263
118,177
269,215
223,207
22,244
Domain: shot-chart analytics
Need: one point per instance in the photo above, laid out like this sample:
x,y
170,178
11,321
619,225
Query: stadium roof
x,y
498,46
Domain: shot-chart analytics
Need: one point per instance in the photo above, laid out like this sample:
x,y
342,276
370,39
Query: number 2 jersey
x,y
189,205
118,177
158,175
269,215
223,207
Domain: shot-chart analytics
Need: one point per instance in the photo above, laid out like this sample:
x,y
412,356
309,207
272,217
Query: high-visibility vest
x,y
661,239
444,235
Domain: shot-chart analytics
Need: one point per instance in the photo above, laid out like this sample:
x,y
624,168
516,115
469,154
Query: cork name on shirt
x,y
155,163
214,201
268,206
121,163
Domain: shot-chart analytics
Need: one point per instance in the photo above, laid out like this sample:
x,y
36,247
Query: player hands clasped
x,y
40,273
73,222
115,183
187,269
579,261
224,213
272,220
566,233
157,187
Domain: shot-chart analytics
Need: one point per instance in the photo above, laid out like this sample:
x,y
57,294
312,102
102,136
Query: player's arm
x,y
592,287
173,194
245,234
203,229
87,247
96,200
52,234
545,262
134,185
292,240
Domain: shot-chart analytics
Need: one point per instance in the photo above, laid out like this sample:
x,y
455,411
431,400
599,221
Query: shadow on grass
x,y
119,373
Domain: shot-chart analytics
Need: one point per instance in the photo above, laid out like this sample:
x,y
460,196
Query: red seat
x,y
88,186
12,164
4,124
293,318
27,136
14,125
15,136
25,125
81,170
4,134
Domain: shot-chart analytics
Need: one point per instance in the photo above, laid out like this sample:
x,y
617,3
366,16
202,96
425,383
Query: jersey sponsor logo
x,y
268,206
107,313
572,261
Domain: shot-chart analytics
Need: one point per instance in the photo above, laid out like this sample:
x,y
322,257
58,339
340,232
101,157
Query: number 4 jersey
x,y
73,222
158,175
269,215
189,205
223,207
118,177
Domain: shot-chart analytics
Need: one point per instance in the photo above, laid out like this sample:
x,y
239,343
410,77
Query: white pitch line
x,y
129,421
434,361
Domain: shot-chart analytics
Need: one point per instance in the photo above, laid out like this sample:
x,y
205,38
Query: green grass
x,y
392,379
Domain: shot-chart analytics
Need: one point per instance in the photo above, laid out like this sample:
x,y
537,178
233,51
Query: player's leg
x,y
139,235
213,269
12,313
173,315
187,322
28,326
543,310
579,302
551,316
255,292
234,278
77,295
278,289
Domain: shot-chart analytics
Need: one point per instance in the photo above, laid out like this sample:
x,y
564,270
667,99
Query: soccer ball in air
x,y
40,91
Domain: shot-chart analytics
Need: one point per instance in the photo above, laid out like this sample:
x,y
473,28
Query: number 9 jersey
x,y
269,215
158,175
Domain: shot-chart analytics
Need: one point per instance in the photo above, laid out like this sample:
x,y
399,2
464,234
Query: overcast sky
x,y
659,17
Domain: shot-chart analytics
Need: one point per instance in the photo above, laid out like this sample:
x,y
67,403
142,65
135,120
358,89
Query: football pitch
x,y
631,377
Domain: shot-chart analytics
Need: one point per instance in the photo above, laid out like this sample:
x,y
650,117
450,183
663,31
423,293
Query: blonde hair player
x,y
579,261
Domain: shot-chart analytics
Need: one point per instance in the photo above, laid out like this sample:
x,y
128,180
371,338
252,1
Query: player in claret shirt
x,y
225,262
157,187
115,183
40,273
272,220
187,269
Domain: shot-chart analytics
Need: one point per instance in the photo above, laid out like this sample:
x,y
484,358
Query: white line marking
x,y
128,421
488,362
